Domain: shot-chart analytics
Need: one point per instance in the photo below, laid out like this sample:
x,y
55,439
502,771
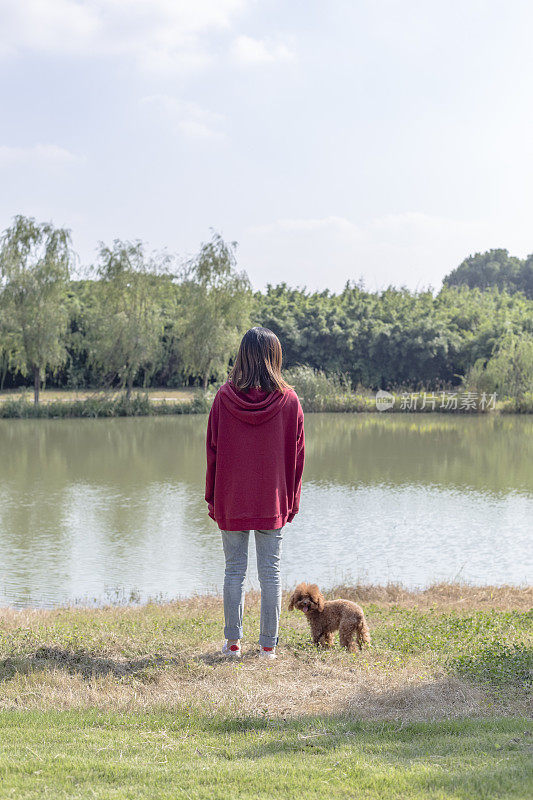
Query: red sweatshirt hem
x,y
253,524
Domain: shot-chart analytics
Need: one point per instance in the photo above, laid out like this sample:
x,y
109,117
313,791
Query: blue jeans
x,y
268,549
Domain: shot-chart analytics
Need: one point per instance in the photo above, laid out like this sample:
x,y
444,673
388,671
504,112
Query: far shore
x,y
153,401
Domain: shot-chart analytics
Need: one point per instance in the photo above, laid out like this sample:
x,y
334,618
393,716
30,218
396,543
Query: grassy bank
x,y
137,701
160,403
448,651
107,405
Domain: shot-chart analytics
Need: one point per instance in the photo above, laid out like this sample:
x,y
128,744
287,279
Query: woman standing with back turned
x,y
255,459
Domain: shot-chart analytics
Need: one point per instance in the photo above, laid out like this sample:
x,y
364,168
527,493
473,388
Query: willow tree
x,y
125,322
35,262
509,371
216,304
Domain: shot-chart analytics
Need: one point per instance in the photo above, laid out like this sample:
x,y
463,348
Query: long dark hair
x,y
258,362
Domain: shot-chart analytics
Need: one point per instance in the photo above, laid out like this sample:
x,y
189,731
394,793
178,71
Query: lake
x,y
98,510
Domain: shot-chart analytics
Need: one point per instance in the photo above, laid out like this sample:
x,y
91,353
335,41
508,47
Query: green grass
x,y
498,665
170,755
410,630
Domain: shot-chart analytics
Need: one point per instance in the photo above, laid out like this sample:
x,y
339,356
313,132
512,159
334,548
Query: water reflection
x,y
89,506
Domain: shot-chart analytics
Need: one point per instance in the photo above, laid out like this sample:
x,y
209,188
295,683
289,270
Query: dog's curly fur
x,y
327,616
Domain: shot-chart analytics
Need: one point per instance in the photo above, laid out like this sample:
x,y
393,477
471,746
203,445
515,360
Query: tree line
x,y
495,268
144,319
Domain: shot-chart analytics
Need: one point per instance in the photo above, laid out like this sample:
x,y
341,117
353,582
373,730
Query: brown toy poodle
x,y
327,616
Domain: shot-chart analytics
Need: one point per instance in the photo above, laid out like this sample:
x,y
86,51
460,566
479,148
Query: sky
x,y
374,140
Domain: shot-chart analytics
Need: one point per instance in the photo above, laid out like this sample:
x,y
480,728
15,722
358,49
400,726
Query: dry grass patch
x,y
51,395
168,656
443,596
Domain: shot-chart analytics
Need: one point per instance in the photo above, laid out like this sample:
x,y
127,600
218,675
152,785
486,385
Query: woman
x,y
255,459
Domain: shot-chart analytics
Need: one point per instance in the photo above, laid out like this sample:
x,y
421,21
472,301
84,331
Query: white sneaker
x,y
232,652
268,655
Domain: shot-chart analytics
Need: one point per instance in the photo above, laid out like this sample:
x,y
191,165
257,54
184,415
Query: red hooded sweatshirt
x,y
255,458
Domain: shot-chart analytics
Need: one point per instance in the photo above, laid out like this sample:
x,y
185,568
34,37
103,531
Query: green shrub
x,y
320,392
509,370
200,404
202,401
519,405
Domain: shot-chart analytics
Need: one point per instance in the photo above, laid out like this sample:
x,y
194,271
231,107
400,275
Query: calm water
x,y
91,508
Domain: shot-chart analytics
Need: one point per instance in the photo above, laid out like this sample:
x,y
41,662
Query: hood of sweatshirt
x,y
254,406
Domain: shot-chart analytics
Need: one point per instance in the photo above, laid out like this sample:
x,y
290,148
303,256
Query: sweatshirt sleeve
x,y
211,454
300,458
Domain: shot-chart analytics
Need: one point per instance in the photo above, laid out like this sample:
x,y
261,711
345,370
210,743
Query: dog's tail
x,y
362,632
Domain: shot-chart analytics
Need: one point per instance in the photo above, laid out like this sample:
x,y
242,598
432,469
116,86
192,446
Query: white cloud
x,y
406,229
247,50
409,248
46,25
39,154
339,224
159,35
190,119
